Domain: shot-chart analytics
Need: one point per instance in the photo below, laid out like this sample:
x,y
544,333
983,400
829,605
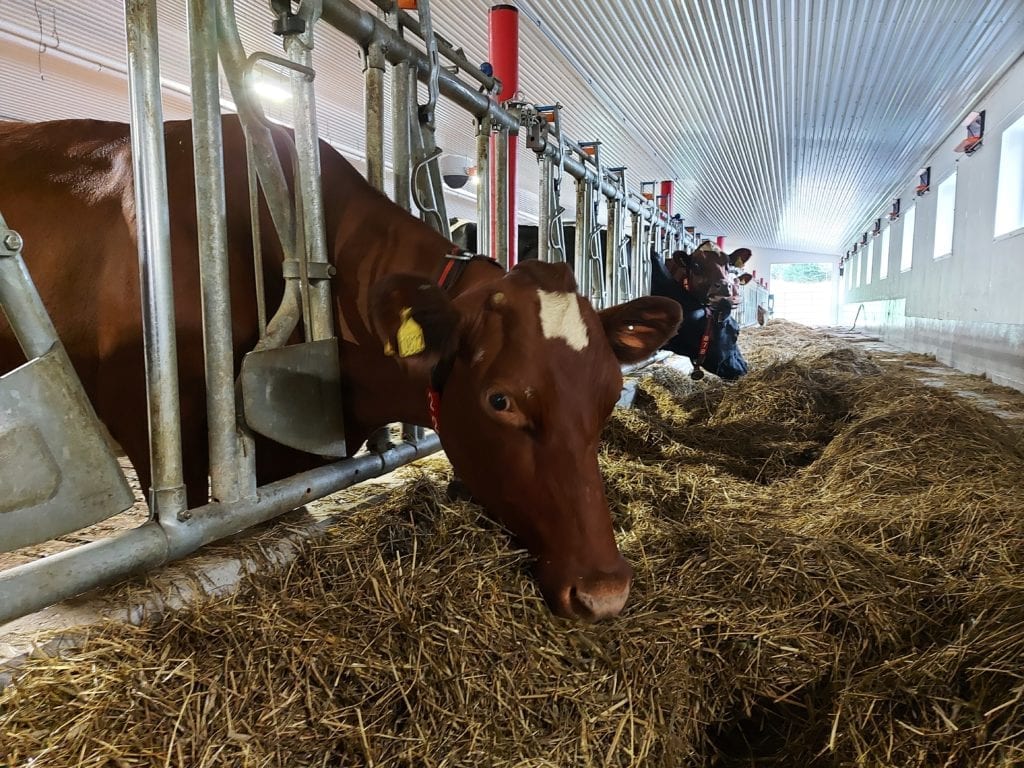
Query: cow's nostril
x,y
602,599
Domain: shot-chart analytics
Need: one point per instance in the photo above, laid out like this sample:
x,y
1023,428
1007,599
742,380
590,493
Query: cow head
x,y
529,372
709,274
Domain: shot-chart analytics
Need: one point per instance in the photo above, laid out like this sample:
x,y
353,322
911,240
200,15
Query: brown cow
x,y
532,369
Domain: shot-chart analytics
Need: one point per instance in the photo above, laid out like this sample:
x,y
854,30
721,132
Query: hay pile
x,y
829,572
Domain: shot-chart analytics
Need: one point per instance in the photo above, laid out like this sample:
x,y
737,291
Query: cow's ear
x,y
414,320
680,257
739,257
745,278
639,327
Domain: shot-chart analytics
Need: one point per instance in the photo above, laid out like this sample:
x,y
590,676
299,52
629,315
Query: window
x,y
856,274
907,253
1010,192
804,292
870,262
945,207
883,254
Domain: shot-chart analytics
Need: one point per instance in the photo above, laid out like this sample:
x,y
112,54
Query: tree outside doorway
x,y
804,292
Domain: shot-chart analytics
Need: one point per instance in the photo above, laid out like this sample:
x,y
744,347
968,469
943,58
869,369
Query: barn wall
x,y
763,258
963,308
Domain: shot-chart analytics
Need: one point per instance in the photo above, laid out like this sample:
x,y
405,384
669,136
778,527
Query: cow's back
x,y
67,191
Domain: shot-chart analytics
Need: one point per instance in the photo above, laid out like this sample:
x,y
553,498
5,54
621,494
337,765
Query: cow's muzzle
x,y
599,595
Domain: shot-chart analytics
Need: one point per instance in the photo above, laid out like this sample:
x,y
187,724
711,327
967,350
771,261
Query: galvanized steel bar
x,y
483,186
581,266
499,177
19,299
167,496
211,219
611,257
262,155
373,69
364,28
544,210
299,48
454,55
29,587
403,90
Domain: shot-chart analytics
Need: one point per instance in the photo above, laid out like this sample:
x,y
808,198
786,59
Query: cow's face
x,y
709,274
532,374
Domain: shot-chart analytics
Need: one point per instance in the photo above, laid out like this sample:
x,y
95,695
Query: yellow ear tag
x,y
410,335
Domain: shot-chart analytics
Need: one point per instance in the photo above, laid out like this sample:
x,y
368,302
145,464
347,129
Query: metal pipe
x,y
544,211
363,27
262,154
373,69
454,55
581,267
483,186
211,219
307,145
19,299
37,584
167,495
403,108
612,260
500,207
257,239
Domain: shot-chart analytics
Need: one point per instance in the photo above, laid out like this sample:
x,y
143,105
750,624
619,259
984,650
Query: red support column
x,y
667,188
503,38
720,241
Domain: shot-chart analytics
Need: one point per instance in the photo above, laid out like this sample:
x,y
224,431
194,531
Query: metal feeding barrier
x,y
57,472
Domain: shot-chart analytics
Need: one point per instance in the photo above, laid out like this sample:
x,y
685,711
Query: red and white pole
x,y
503,38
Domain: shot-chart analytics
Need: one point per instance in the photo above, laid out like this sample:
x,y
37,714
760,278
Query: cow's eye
x,y
498,401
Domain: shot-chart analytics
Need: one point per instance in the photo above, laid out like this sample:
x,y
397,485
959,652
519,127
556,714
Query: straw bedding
x,y
829,572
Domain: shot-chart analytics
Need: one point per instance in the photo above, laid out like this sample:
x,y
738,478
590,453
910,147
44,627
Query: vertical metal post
x,y
545,209
637,252
167,495
500,238
483,187
403,87
582,265
211,217
612,257
299,48
373,63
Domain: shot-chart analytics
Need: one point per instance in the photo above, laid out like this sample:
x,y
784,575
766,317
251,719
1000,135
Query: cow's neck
x,y
385,240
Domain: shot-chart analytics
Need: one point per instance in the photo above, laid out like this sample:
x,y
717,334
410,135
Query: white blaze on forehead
x,y
560,318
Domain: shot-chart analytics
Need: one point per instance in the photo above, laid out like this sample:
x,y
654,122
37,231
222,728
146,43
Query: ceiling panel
x,y
785,123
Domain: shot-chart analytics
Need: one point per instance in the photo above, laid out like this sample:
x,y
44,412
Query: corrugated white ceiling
x,y
784,122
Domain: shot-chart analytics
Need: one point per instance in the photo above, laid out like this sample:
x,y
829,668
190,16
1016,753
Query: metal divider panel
x,y
57,472
293,396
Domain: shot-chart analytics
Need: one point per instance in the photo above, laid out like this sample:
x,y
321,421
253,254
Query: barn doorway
x,y
804,292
